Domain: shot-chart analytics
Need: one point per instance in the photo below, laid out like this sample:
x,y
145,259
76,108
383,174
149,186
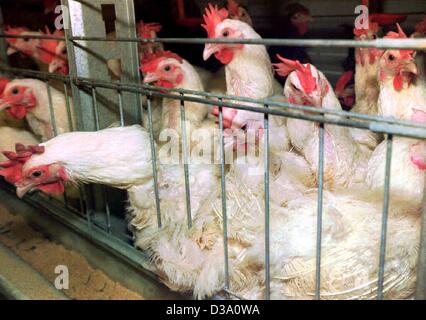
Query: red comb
x,y
233,8
150,61
344,80
405,54
145,29
12,168
47,49
307,80
212,18
14,32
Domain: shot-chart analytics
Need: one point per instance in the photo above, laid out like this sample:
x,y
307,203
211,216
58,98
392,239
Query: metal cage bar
x,y
267,213
185,163
223,198
319,212
82,82
383,234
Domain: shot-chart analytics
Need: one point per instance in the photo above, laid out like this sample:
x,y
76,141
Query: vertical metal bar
x,y
95,108
185,164
69,112
223,190
120,107
421,266
154,161
319,212
104,193
383,235
267,226
52,113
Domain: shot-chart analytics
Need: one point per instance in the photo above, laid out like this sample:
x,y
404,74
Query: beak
x,y
58,66
4,105
150,78
410,67
23,189
209,50
11,51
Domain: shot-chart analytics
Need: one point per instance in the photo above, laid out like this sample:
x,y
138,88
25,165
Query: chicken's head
x,y
399,65
304,84
217,26
345,90
147,31
17,100
53,52
28,170
28,46
299,16
163,69
238,12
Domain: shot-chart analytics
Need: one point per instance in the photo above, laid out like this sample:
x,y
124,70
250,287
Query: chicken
x,y
402,96
28,98
293,25
349,249
46,52
5,119
28,46
147,31
344,160
166,69
176,251
345,90
248,74
366,70
238,12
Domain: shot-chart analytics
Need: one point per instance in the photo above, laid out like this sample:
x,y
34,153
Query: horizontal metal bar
x,y
381,126
320,111
401,128
361,121
415,44
35,74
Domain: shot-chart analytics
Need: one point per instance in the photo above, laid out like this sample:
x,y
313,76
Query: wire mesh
x,y
389,126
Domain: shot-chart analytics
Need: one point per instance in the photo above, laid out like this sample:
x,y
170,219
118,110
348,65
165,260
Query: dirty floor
x,y
86,283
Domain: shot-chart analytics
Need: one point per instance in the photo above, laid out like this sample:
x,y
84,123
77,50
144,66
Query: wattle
x,y
17,111
225,56
56,188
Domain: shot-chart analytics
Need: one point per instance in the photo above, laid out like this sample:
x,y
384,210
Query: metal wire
x,y
414,44
51,110
375,124
319,211
120,107
154,162
185,163
383,234
223,196
267,217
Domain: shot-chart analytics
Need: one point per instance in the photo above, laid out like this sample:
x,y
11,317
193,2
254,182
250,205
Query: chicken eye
x,y
64,52
391,57
295,88
167,68
374,37
15,91
37,174
225,33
